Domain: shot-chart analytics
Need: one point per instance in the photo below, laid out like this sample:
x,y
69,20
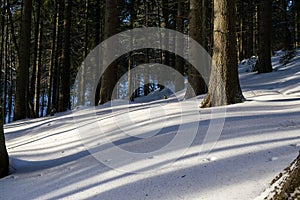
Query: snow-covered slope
x,y
73,155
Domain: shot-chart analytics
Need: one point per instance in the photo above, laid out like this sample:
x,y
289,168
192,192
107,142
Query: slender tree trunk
x,y
7,64
51,70
249,31
35,60
64,95
12,27
224,87
197,84
4,161
264,64
57,63
98,38
3,47
10,101
109,77
179,79
146,74
287,38
21,100
81,94
297,22
38,73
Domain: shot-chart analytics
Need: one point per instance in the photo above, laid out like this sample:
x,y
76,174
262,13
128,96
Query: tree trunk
x,y
56,71
265,26
179,79
249,32
21,98
35,60
51,70
109,77
195,31
3,50
64,94
224,87
6,67
12,27
4,161
81,94
38,73
297,22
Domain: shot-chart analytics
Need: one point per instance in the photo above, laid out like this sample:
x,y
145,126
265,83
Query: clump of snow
x,y
247,65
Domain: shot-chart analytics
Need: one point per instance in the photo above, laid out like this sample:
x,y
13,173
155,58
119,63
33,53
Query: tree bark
x,y
224,87
21,99
56,71
197,84
4,161
109,77
179,79
35,60
52,64
264,64
38,73
64,95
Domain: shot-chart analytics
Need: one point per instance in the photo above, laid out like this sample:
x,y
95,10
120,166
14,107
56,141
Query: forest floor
x,y
119,152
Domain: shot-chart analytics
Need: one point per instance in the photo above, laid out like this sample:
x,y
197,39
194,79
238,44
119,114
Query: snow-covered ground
x,y
160,149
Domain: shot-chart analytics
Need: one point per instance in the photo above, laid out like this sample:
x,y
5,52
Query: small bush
x,y
287,57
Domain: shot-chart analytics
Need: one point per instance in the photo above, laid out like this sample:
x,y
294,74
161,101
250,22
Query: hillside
x,y
164,149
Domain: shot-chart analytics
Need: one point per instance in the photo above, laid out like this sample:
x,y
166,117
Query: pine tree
x,y
265,27
64,95
22,81
195,31
224,87
109,77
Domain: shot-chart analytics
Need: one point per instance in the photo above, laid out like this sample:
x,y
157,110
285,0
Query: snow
x,y
157,148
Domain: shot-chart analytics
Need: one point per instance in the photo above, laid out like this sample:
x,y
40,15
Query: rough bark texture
x,y
24,63
4,161
285,184
109,77
265,26
195,31
224,87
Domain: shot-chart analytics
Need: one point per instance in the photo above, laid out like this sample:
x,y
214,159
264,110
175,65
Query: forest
x,y
43,44
47,48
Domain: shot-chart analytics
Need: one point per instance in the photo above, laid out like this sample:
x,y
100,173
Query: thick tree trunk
x,y
109,78
224,87
195,31
21,99
265,26
4,161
